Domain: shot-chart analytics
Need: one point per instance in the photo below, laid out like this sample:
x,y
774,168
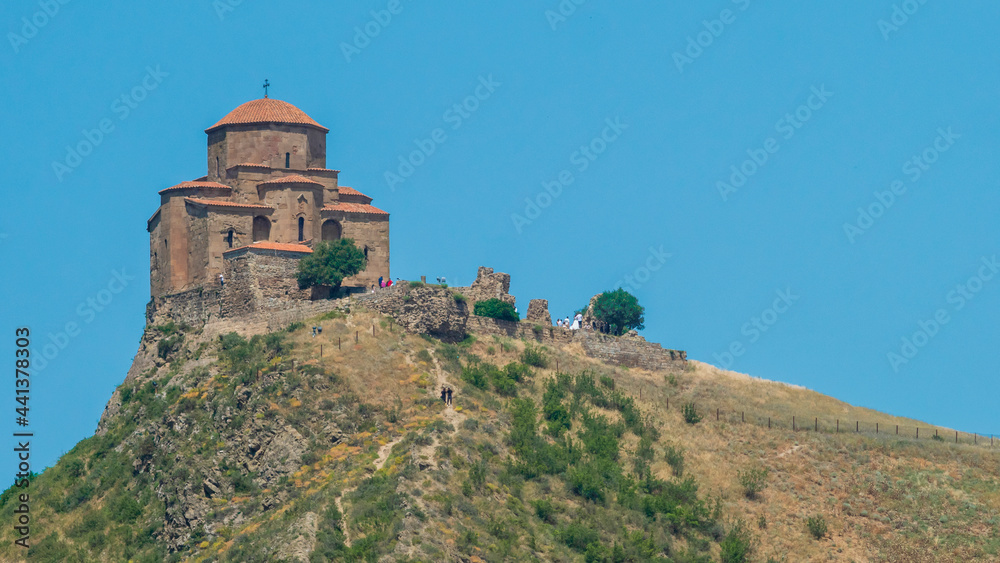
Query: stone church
x,y
267,199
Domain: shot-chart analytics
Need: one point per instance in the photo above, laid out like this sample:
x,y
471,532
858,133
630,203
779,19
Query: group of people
x,y
446,393
383,283
577,322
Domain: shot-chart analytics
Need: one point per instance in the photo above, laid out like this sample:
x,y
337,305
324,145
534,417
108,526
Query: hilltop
x,y
231,442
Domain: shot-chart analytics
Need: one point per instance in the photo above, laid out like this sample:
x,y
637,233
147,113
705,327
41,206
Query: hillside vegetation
x,y
258,448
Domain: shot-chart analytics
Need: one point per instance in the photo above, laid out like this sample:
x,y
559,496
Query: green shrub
x,y
738,544
608,382
417,284
816,526
674,456
690,413
168,345
545,510
532,356
577,536
295,326
459,298
478,374
495,309
124,508
753,480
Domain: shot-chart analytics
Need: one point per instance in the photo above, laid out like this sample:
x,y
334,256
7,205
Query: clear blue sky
x,y
864,100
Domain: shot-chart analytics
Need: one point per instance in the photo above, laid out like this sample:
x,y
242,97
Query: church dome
x,y
267,110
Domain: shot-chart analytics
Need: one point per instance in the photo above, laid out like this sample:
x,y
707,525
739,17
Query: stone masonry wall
x,y
261,290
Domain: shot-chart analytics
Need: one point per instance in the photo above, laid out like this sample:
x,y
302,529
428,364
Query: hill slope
x,y
286,447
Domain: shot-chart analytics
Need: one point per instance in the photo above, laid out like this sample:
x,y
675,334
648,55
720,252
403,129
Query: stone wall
x,y
626,351
260,290
261,282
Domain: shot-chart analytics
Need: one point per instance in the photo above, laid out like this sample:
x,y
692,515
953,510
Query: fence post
x,y
838,426
668,403
320,350
373,330
338,343
876,428
956,436
935,432
768,423
975,438
793,424
355,337
743,416
897,430
817,424
918,433
716,412
857,427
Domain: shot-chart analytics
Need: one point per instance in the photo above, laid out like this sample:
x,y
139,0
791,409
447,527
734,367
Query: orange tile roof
x,y
217,203
268,245
195,184
267,110
291,179
347,190
355,208
251,164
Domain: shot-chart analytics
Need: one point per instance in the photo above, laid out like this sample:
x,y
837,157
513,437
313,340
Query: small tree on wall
x,y
329,263
495,309
620,310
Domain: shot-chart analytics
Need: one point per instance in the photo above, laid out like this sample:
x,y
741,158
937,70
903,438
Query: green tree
x,y
620,310
330,263
495,309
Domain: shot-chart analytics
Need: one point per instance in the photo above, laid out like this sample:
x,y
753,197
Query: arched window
x,y
288,160
229,238
302,229
261,228
331,230
366,253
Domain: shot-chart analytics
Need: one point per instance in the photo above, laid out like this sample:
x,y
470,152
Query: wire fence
x,y
810,423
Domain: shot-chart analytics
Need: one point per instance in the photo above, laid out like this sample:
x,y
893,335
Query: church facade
x,y
267,192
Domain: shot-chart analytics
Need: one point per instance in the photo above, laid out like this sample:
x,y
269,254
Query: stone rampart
x,y
260,291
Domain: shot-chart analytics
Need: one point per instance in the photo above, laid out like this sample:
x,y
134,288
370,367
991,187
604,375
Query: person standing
x,y
444,395
380,284
222,281
449,396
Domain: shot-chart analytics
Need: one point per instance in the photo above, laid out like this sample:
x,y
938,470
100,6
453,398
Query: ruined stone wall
x,y
373,233
488,285
194,307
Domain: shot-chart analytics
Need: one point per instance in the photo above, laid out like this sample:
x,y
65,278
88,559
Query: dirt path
x,y
450,415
